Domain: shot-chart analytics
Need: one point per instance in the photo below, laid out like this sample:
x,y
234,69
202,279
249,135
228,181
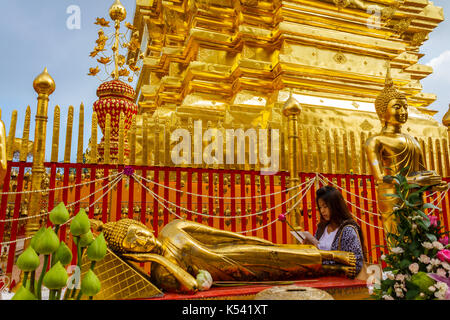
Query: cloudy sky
x,y
35,35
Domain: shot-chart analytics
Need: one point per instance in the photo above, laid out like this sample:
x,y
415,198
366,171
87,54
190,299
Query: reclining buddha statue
x,y
183,248
392,152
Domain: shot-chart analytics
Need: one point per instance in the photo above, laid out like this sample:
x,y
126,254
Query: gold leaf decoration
x,y
102,22
93,71
103,60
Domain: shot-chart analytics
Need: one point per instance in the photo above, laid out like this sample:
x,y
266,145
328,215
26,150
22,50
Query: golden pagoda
x,y
233,63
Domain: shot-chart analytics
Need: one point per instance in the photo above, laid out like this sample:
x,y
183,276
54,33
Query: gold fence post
x,y
11,136
44,85
94,153
26,136
80,134
55,137
68,146
291,110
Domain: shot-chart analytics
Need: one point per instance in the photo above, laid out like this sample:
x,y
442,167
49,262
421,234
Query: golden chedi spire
x,y
44,83
387,94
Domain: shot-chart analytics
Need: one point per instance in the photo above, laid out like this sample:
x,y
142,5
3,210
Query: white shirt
x,y
326,240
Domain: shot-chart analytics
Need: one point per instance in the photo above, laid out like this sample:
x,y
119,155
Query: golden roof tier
x,y
234,62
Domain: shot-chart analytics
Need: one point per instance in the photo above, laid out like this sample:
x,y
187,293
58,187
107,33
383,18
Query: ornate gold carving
x,y
340,58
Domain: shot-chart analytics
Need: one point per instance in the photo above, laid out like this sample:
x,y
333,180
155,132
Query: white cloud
x,y
443,58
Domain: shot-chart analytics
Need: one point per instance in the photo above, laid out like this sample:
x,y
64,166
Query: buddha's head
x,y
391,105
127,236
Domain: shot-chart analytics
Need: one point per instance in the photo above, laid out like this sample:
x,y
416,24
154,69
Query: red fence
x,y
225,199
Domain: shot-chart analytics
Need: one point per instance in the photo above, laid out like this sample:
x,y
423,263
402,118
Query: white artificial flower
x,y
383,257
435,262
387,297
441,286
432,288
400,277
388,275
427,245
413,226
204,280
438,245
441,272
446,265
414,267
429,267
424,259
397,250
439,295
399,293
422,294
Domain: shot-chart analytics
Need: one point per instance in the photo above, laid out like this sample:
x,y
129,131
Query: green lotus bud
x,y
85,239
423,281
97,249
28,260
59,214
63,254
80,224
36,237
56,277
47,242
23,294
90,285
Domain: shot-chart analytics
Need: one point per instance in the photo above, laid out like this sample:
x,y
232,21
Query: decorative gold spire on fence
x,y
68,147
55,138
80,134
26,136
121,137
11,137
93,147
107,152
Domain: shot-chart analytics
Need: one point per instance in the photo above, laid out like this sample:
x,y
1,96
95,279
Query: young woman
x,y
337,230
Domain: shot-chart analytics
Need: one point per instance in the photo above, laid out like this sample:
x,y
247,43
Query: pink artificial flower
x,y
444,240
433,221
282,217
444,255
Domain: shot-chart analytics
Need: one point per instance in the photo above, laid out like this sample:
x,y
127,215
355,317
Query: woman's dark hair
x,y
339,212
334,200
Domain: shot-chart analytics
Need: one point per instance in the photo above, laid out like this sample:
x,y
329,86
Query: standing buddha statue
x,y
392,152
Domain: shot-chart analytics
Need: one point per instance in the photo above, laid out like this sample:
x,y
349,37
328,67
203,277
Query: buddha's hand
x,y
443,186
425,178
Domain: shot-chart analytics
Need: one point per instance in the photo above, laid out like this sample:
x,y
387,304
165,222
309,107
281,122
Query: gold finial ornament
x,y
291,106
117,11
389,92
44,83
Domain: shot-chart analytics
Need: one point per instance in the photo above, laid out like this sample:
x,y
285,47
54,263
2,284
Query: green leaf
x,y
431,237
391,195
404,263
411,294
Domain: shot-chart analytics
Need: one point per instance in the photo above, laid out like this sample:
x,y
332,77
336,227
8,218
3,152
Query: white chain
x,y
234,217
287,212
115,181
61,188
218,197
